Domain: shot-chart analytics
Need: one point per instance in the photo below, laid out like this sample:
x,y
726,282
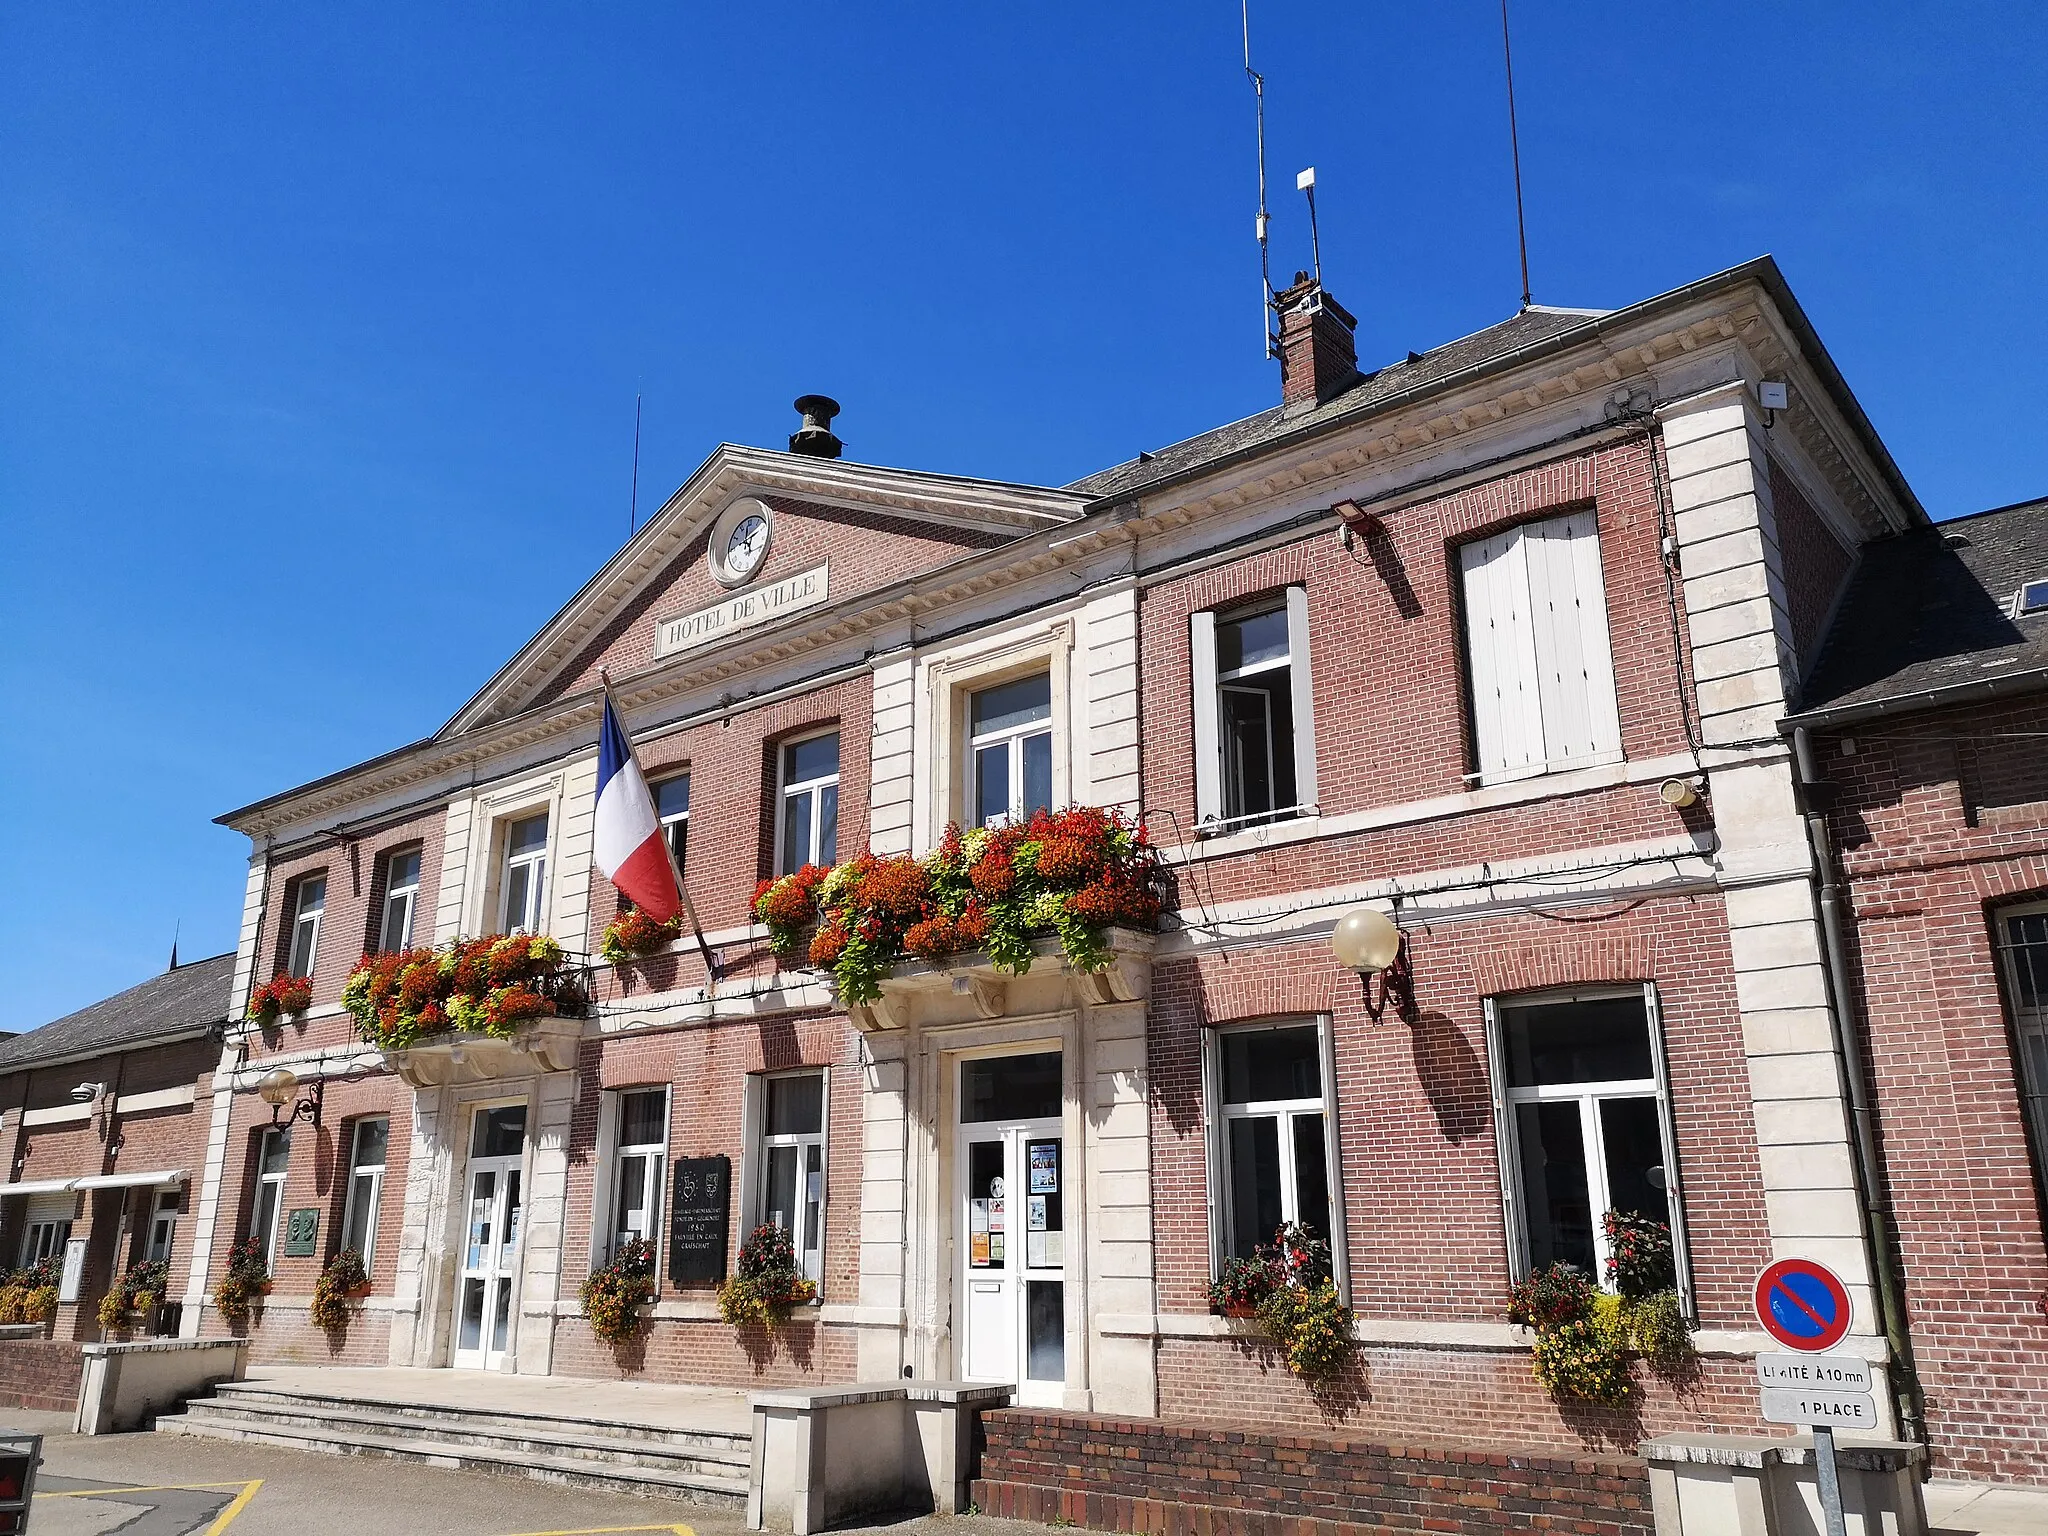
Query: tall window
x,y
274,1157
1536,639
1585,1125
1254,737
1274,1147
401,899
1010,738
642,1155
793,1163
367,1152
163,1223
306,910
809,831
525,882
2026,955
672,807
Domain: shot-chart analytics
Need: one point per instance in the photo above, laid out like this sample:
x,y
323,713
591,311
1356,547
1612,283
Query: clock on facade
x,y
739,541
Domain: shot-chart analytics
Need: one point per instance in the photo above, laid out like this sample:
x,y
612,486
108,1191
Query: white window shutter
x,y
1208,732
1212,1140
1667,1129
753,1121
1507,713
1574,662
1303,700
1505,1149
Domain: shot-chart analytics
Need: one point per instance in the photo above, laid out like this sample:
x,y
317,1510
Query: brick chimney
x,y
1318,358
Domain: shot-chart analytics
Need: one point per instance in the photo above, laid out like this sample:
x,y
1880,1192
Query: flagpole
x,y
604,683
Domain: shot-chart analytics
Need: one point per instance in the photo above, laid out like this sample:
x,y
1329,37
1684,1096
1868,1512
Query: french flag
x,y
630,848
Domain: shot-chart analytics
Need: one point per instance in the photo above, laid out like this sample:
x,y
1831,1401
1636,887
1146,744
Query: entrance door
x,y
1012,1231
489,1284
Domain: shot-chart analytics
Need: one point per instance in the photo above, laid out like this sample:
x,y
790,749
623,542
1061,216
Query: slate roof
x,y
1929,619
1511,335
173,1004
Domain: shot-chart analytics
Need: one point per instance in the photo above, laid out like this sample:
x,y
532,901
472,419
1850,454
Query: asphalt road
x,y
164,1485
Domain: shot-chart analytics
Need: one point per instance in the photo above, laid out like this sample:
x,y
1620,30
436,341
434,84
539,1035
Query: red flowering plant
x,y
1071,874
488,985
280,995
1287,1286
633,934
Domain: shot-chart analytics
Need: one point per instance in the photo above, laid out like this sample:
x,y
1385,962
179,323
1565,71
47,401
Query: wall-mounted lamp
x,y
1369,942
85,1093
1678,793
276,1088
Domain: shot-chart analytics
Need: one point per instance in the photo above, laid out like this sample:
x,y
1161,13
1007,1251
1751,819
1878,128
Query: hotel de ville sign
x,y
743,610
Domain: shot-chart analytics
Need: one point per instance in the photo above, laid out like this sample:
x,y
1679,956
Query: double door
x,y
1012,1247
487,1289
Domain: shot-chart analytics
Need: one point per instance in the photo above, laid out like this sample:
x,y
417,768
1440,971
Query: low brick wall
x,y
1146,1475
40,1374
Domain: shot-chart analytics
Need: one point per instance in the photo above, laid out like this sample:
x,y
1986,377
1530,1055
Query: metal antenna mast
x,y
633,514
1515,145
1265,266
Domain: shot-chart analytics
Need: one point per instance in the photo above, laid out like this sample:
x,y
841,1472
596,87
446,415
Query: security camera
x,y
85,1093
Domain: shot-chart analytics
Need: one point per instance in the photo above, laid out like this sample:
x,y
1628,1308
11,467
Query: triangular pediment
x,y
838,529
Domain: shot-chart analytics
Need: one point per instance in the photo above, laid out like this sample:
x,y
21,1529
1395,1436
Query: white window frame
x,y
1208,684
359,1175
2029,1033
787,789
756,1193
1507,1141
1219,1116
535,919
652,1154
163,1223
43,1238
1014,737
676,822
273,1184
407,896
306,920
1539,658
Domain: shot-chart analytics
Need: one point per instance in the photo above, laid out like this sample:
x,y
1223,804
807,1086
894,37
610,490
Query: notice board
x,y
699,1224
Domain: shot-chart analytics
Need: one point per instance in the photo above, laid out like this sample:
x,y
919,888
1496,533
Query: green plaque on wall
x,y
301,1232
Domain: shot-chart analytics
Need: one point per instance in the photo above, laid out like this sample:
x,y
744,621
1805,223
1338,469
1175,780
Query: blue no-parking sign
x,y
1802,1304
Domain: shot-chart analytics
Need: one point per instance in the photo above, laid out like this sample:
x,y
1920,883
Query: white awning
x,y
39,1187
162,1178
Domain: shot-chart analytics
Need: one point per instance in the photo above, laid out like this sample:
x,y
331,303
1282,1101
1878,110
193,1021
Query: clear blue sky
x,y
322,325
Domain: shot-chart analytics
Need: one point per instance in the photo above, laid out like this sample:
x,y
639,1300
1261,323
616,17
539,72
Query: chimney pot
x,y
815,437
1318,354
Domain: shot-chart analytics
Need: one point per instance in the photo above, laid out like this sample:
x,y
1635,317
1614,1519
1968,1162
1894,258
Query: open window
x,y
2023,942
1536,643
788,1161
1010,746
273,1160
395,929
1582,1109
1255,758
807,831
309,904
638,1166
523,880
368,1147
1273,1137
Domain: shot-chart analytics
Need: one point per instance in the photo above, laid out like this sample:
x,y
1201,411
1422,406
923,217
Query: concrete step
x,y
261,1397
561,1452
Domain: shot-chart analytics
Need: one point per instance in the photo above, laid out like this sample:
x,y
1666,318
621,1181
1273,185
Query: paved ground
x,y
161,1485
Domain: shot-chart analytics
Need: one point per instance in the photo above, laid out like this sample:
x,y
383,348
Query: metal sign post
x,y
1805,1307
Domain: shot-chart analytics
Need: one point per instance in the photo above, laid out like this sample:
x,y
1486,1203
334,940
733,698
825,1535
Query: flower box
x,y
463,1056
973,986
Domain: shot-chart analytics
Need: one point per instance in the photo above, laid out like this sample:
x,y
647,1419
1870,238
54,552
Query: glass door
x,y
1012,1228
489,1282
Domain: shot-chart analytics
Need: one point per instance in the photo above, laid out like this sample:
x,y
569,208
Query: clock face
x,y
746,544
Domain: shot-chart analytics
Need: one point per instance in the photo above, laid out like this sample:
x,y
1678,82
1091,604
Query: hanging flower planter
x,y
633,935
280,995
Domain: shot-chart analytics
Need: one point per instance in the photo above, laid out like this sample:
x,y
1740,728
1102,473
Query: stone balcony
x,y
966,987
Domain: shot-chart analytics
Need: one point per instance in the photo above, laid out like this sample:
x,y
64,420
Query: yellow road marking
x,y
226,1516
93,1493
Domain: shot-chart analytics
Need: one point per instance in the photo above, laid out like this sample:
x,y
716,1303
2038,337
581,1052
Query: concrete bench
x,y
125,1385
823,1455
1736,1485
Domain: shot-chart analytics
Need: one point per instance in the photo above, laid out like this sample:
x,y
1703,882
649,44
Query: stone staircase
x,y
706,1466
